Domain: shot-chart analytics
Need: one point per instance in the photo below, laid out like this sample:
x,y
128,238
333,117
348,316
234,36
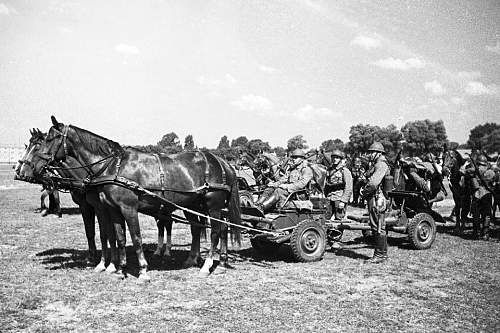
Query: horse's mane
x,y
98,143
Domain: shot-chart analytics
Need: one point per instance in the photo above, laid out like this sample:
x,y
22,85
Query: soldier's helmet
x,y
482,160
298,153
338,153
377,147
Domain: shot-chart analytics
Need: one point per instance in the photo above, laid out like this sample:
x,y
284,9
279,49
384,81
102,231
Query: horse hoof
x,y
100,268
143,278
111,269
203,273
118,275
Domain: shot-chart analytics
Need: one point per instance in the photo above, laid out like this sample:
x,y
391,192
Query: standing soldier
x,y
482,181
338,187
358,180
377,202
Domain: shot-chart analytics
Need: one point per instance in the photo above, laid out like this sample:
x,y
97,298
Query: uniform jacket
x,y
487,175
339,183
296,178
376,175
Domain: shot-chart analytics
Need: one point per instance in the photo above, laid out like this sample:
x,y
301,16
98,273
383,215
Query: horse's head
x,y
452,160
25,168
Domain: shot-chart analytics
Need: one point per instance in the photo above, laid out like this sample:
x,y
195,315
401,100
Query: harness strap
x,y
162,173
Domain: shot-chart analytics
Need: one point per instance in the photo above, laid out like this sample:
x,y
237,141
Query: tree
x,y
297,141
189,142
391,138
330,145
479,135
257,145
490,143
169,144
224,150
239,142
424,136
279,151
361,137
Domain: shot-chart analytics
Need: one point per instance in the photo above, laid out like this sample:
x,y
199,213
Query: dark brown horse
x,y
125,178
88,201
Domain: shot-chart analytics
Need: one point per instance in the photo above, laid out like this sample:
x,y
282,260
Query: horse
x,y
87,201
452,162
130,181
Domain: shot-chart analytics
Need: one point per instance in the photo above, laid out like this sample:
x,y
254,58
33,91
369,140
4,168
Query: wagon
x,y
303,225
409,212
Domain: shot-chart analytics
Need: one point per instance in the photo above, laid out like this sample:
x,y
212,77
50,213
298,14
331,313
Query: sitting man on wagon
x,y
425,177
297,176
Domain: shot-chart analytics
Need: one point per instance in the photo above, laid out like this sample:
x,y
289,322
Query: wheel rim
x,y
310,241
424,231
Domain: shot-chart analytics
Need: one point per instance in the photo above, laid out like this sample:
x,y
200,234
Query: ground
x,y
46,284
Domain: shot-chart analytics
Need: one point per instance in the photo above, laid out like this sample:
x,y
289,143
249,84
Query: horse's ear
x,y
54,121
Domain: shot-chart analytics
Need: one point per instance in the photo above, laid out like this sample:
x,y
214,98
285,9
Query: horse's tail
x,y
234,212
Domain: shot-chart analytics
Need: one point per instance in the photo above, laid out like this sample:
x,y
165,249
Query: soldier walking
x,y
377,202
338,187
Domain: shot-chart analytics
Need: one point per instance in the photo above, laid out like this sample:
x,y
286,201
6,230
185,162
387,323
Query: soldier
x,y
358,180
482,178
297,177
377,201
338,187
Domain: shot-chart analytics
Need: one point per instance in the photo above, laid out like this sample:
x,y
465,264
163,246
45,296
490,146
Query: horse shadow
x,y
66,258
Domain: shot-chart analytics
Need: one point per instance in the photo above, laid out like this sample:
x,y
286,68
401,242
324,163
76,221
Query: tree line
x,y
415,138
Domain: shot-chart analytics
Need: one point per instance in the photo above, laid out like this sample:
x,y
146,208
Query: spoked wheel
x,y
263,246
308,241
422,231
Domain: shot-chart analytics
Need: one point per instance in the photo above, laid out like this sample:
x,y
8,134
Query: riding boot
x,y
380,252
486,229
269,202
265,194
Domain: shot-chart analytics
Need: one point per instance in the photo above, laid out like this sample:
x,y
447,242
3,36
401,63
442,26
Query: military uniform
x,y
338,189
358,180
377,202
297,177
482,209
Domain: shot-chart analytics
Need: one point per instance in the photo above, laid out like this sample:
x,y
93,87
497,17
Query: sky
x,y
133,71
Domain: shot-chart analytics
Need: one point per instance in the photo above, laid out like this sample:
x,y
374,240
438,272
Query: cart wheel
x,y
246,199
422,231
263,246
308,241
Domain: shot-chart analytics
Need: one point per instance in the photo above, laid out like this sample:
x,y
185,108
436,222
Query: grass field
x,y
46,285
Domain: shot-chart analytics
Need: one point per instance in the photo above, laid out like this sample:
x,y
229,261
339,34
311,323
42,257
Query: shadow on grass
x,y
64,258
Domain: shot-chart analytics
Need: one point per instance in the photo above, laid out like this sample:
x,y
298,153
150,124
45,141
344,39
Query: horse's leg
x,y
116,226
56,202
214,242
132,218
88,216
194,254
168,248
161,236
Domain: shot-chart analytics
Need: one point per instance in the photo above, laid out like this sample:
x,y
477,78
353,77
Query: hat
x,y
377,147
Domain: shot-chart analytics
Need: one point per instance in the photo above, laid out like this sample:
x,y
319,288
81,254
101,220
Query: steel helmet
x,y
377,147
482,160
338,153
298,153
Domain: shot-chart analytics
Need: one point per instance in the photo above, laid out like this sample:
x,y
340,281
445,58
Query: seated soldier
x,y
423,177
297,177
